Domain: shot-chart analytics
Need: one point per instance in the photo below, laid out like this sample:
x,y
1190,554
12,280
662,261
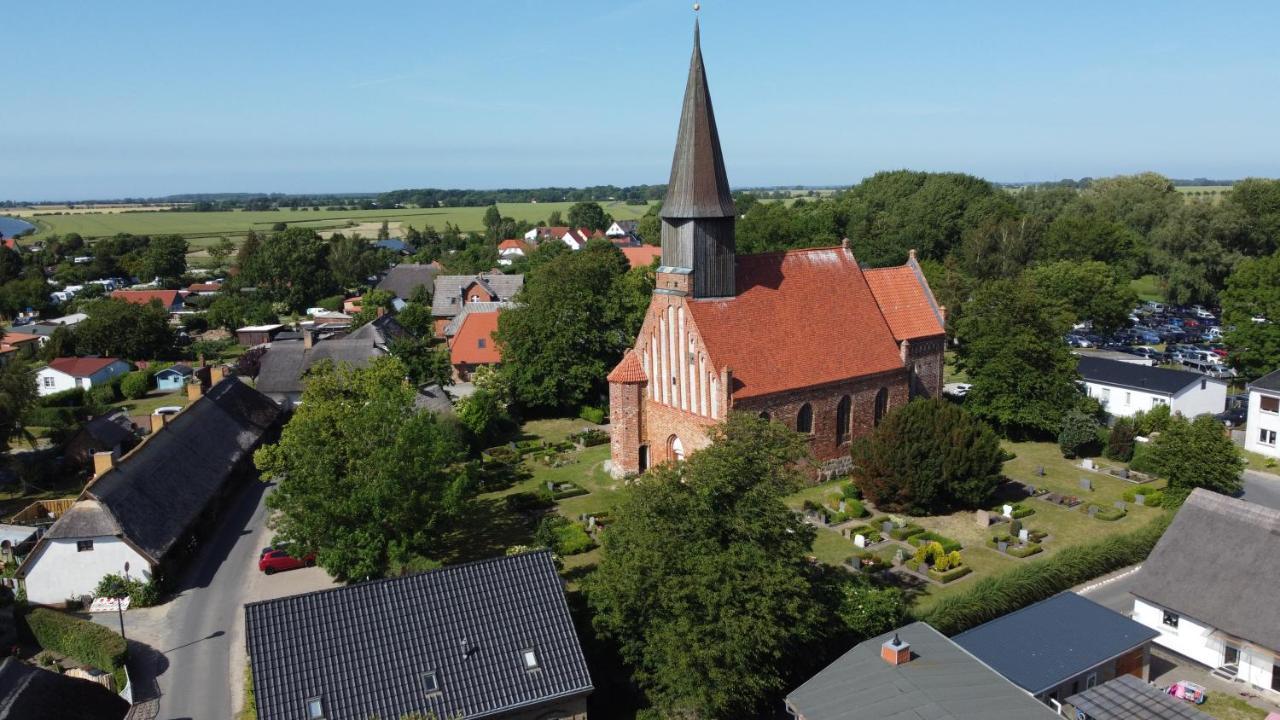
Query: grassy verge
x,y
1226,707
1260,462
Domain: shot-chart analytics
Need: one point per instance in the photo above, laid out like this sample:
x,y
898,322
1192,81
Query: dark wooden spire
x,y
698,187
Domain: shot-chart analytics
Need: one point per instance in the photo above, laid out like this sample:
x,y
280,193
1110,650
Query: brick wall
x,y
926,357
661,422
625,426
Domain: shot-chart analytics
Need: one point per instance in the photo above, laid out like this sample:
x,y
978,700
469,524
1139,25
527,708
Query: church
x,y
807,338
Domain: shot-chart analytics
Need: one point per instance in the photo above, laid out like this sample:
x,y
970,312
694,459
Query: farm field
x,y
198,225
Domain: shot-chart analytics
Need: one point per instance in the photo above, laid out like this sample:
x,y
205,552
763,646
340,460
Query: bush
x,y
906,531
1079,434
849,491
932,537
530,502
141,594
592,414
333,303
85,642
1109,514
562,536
952,573
1151,496
67,398
1121,440
1000,594
135,385
50,417
1151,421
590,437
103,394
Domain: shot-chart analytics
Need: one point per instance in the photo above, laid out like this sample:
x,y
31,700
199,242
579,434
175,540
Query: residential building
x,y
576,238
1262,425
1128,698
510,249
252,335
491,639
142,509
210,288
539,235
1125,389
1060,646
455,292
31,693
14,345
472,344
405,279
282,370
174,377
911,673
170,300
642,255
113,433
806,338
621,228
1209,587
75,372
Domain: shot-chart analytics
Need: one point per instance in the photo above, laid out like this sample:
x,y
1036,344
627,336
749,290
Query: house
x,y
491,639
642,255
472,345
113,432
282,370
205,288
1125,389
510,249
405,279
911,673
15,345
1263,419
252,335
170,300
28,692
434,399
541,234
1209,587
174,377
576,238
75,372
1060,646
621,228
395,245
454,292
806,338
1128,698
143,508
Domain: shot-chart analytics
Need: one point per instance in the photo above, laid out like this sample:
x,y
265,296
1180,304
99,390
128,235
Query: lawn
x,y
1148,287
1228,707
1260,462
153,400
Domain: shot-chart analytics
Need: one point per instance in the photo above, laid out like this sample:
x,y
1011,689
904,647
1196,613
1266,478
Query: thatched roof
x,y
28,692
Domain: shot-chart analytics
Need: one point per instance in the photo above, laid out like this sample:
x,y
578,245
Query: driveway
x,y
1262,488
193,645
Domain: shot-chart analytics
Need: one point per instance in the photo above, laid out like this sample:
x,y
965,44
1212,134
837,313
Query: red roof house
x,y
171,300
642,255
473,344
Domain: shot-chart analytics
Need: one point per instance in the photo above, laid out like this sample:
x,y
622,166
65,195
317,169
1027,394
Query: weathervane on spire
x,y
697,7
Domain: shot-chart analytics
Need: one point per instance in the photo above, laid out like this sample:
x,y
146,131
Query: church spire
x,y
698,187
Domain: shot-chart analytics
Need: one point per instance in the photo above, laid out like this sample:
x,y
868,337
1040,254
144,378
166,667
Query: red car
x,y
273,561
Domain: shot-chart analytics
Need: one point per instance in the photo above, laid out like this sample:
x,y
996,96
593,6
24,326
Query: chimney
x,y
942,313
308,338
216,373
194,390
844,243
904,349
895,651
911,255
103,461
157,422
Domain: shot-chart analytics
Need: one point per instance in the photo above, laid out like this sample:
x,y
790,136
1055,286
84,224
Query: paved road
x,y
1262,488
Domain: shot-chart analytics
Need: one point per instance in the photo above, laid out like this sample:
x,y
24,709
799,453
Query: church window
x,y
843,416
804,419
675,448
882,405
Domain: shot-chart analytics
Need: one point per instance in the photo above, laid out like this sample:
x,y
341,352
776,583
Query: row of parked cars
x,y
1190,335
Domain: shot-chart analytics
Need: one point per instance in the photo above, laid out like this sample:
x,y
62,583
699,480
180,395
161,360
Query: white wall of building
x,y
1123,402
50,381
1198,641
1258,421
59,571
1209,396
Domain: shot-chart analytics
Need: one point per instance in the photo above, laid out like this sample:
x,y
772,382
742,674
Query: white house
x,y
1263,421
621,228
509,250
576,238
1209,587
1124,389
76,372
140,509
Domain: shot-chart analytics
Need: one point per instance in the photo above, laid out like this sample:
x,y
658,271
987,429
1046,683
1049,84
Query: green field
x,y
1204,193
197,225
1147,287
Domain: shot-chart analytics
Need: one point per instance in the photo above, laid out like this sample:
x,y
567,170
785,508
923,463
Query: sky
x,y
140,98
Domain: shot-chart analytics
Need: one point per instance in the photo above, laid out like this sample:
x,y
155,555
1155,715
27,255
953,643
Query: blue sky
x,y
151,98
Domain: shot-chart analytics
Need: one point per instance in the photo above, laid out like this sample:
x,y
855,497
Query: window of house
x,y
1091,680
1203,383
843,416
84,545
882,406
315,709
480,342
1106,395
430,683
1158,401
1128,398
1170,619
1266,404
804,419
1267,437
1275,677
675,448
530,657
475,298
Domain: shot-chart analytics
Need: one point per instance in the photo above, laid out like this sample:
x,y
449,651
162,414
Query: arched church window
x,y
804,419
844,413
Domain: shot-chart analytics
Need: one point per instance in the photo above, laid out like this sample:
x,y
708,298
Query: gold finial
x,y
697,7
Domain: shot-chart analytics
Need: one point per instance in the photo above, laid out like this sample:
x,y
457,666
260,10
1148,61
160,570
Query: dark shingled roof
x,y
1052,641
111,429
364,649
405,278
1137,377
30,693
447,299
1219,564
1129,698
940,682
699,187
1270,381
155,493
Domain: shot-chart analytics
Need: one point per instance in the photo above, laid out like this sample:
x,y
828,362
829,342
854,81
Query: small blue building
x,y
173,378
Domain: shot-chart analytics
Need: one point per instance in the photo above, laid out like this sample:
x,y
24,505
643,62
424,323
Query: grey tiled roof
x,y
1137,377
476,307
404,278
1129,698
1052,641
940,682
446,301
28,692
1270,381
364,649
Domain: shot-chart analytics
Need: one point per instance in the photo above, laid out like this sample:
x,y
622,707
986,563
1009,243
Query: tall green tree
x,y
589,215
928,456
1251,308
1023,375
1191,252
704,583
291,267
1258,202
17,395
122,329
1088,290
231,310
352,260
364,480
164,258
1195,453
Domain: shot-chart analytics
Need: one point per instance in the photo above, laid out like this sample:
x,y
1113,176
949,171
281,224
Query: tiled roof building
x,y
804,337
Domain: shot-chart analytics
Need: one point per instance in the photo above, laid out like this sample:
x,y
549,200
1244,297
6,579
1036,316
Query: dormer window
x,y
480,342
315,709
430,683
530,657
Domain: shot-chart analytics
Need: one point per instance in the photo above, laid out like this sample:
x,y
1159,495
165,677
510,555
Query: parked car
x,y
274,560
1154,306
957,390
1234,417
1079,341
167,410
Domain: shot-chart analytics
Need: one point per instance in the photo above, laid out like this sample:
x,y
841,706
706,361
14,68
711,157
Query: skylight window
x,y
315,709
530,659
430,683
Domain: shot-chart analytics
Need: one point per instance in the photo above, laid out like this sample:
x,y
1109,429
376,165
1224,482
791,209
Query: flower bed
x,y
905,532
1069,501
1016,549
589,437
938,564
872,535
928,536
560,491
866,562
1020,510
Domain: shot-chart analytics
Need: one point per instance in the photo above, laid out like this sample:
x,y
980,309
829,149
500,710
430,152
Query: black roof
x,y
111,429
699,187
1052,641
940,682
28,693
364,649
1270,381
1137,377
1129,698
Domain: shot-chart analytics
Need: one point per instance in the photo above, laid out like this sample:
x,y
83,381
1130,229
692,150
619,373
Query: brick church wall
x,y
661,422
625,426
926,356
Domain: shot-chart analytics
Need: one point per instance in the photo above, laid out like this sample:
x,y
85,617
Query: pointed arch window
x,y
804,419
844,414
882,405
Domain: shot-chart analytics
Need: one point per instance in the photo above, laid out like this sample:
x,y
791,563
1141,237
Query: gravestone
x,y
591,523
1002,546
844,533
886,527
1093,510
860,540
843,505
1120,505
1023,536
899,557
1087,464
982,518
1086,484
551,486
1140,499
1124,473
1039,472
1031,489
1007,511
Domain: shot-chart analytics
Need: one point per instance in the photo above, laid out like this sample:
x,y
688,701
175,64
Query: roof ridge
x,y
1240,509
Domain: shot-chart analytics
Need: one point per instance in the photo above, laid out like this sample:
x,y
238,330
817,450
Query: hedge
x,y
1151,498
1005,592
906,531
949,575
929,536
85,642
1109,514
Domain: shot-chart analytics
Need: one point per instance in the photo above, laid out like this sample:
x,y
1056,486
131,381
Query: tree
x,y
555,219
164,258
1120,440
928,456
1253,292
384,231
123,329
425,362
374,303
248,249
231,310
1195,453
1079,434
567,330
291,267
1010,344
365,481
352,260
221,250
492,219
1088,290
649,228
484,417
135,385
416,318
1191,252
17,395
589,215
1258,202
704,584
1080,235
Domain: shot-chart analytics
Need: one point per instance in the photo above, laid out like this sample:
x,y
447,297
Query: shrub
x,y
67,398
141,594
592,414
135,385
954,573
1121,440
1078,435
562,536
83,641
1015,527
102,394
530,502
1109,514
590,437
1151,421
333,303
1151,496
1028,583
1020,510
906,531
932,537
849,491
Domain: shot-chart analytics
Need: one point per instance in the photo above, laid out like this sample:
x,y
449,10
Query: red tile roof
x,y
465,349
17,338
801,318
629,370
204,287
80,367
513,244
906,301
167,298
641,256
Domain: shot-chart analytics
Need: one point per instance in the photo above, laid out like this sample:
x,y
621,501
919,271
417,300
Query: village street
x,y
187,656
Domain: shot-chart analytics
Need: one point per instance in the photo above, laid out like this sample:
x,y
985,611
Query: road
x,y
1262,488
